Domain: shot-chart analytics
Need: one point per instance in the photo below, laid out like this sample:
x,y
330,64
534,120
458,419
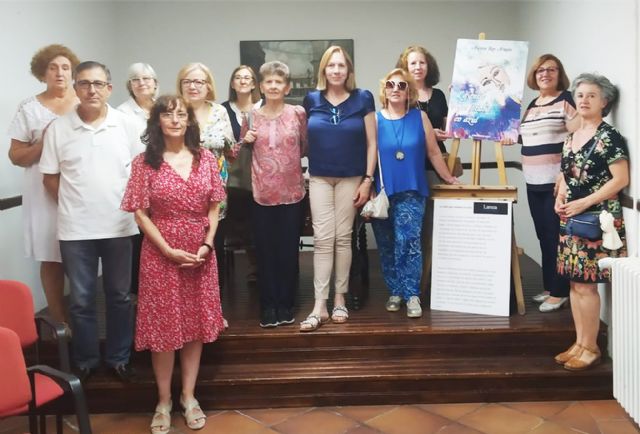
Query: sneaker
x,y
413,307
268,318
393,304
284,316
125,373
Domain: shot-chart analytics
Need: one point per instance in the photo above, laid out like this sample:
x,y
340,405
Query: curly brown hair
x,y
433,72
40,61
153,137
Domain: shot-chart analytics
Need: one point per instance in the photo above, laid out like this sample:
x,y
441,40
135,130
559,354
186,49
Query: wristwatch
x,y
369,177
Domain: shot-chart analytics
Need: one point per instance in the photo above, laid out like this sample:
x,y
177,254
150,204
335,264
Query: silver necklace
x,y
399,135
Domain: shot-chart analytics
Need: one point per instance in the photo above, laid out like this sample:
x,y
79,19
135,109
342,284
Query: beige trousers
x,y
332,214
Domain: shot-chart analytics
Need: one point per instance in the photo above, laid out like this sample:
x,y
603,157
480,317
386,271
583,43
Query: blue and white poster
x,y
486,89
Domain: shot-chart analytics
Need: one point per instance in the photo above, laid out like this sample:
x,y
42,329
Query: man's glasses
x,y
169,116
335,116
86,84
185,82
550,70
400,85
139,80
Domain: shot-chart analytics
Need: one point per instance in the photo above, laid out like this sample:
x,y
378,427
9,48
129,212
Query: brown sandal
x,y
586,359
565,356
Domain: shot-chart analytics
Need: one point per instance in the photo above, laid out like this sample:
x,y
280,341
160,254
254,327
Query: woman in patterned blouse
x,y
197,86
279,139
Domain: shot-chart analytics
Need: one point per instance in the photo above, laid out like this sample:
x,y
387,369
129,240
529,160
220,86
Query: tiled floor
x,y
591,417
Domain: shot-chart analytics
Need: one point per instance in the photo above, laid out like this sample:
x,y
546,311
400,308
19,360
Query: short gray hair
x,y
139,68
609,91
275,68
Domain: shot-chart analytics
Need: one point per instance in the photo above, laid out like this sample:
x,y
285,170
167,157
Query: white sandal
x,y
312,323
340,314
161,422
193,414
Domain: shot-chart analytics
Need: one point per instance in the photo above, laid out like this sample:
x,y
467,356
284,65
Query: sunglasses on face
x,y
400,85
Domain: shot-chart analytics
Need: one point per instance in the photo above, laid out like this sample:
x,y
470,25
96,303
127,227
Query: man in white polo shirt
x,y
86,162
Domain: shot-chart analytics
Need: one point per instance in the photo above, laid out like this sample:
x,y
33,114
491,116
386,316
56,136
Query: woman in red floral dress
x,y
175,191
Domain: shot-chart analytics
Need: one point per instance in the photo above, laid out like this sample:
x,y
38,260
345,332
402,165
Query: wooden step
x,y
396,380
377,357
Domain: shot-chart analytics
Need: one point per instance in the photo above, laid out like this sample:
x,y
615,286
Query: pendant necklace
x,y
399,134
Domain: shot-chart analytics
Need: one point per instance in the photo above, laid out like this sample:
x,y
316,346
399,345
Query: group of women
x,y
572,161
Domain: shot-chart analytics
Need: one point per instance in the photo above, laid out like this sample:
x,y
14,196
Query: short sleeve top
x,y
337,137
610,147
276,172
436,109
542,132
166,195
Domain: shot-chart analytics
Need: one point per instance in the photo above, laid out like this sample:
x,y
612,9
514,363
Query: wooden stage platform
x,y
376,358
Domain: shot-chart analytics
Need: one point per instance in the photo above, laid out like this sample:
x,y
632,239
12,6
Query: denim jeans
x,y
80,261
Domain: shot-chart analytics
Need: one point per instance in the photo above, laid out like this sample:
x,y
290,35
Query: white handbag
x,y
378,207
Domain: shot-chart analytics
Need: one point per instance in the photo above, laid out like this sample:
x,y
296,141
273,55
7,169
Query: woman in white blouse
x,y
142,84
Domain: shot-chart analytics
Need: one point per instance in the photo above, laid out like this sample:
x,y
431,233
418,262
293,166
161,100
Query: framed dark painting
x,y
302,57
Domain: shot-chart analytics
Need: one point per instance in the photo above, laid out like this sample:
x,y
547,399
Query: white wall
x,y
25,27
170,34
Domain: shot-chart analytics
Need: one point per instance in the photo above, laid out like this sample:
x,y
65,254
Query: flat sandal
x,y
161,421
312,323
339,314
193,414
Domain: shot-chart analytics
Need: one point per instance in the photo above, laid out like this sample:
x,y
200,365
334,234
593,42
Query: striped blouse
x,y
543,131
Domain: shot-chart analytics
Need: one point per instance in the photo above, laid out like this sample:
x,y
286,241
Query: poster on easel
x,y
471,261
486,89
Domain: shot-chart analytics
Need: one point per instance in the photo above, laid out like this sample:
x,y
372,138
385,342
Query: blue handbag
x,y
585,225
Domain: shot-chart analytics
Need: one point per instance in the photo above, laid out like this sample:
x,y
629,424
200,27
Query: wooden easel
x,y
477,191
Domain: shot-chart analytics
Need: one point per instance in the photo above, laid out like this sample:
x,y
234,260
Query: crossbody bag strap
x,y
586,158
605,204
378,152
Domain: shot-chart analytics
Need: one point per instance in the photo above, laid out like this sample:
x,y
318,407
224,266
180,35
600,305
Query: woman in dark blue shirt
x,y
342,159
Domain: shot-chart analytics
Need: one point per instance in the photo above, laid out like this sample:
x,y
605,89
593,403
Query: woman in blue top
x,y
405,138
342,158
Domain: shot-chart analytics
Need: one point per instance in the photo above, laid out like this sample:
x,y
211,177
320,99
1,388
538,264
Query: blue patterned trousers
x,y
399,243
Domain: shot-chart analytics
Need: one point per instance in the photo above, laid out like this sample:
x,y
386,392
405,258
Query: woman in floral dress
x,y
596,169
175,191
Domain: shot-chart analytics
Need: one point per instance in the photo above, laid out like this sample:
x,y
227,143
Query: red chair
x,y
17,314
37,389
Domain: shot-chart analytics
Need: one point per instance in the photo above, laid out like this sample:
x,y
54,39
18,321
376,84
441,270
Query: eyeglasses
x,y
185,82
551,70
139,80
86,84
243,77
169,116
400,85
335,116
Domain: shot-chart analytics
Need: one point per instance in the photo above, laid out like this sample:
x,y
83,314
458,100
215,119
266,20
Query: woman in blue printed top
x,y
342,158
405,138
